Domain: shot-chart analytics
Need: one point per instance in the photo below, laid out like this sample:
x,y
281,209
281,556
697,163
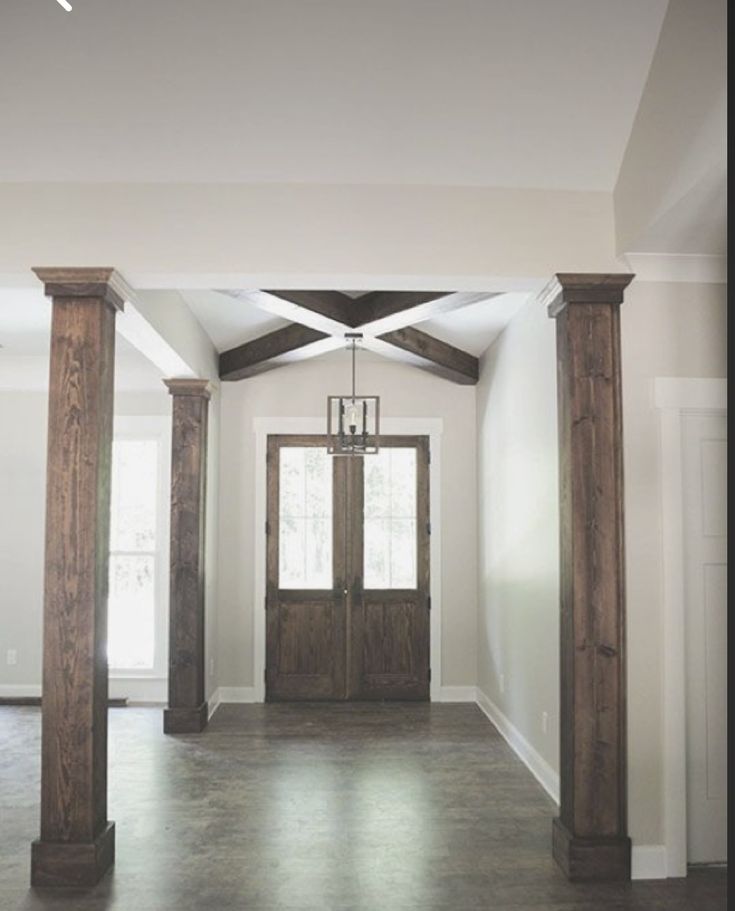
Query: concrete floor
x,y
342,807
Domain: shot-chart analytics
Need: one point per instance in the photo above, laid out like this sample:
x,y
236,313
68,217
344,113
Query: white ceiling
x,y
475,328
516,93
231,322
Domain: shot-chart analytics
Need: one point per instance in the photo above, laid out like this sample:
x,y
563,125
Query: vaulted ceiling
x,y
442,332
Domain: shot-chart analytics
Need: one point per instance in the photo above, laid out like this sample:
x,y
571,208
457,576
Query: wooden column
x,y
77,843
187,709
590,839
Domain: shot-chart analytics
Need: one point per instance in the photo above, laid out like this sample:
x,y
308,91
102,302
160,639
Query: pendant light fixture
x,y
353,421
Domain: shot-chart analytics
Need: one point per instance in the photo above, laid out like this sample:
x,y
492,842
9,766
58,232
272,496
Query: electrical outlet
x,y
545,722
12,656
502,683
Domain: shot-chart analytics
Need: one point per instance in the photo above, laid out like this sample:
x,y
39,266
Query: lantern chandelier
x,y
353,421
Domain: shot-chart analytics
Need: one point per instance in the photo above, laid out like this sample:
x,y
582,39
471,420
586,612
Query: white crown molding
x,y
674,267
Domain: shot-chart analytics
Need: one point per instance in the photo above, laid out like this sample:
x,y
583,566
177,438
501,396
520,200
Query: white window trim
x,y
674,397
263,427
150,685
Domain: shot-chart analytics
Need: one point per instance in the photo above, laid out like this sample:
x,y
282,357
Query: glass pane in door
x,y
390,519
305,518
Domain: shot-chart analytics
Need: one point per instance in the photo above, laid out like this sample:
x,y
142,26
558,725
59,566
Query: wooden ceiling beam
x,y
283,346
320,320
412,346
325,311
388,311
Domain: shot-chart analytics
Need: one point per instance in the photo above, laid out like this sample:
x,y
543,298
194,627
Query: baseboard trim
x,y
20,690
532,759
234,695
457,694
648,862
137,690
213,704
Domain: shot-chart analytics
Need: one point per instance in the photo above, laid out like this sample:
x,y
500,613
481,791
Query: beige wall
x,y
518,612
300,390
676,330
22,494
668,329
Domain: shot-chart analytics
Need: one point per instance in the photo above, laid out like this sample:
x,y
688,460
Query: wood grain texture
x,y
99,283
345,642
286,345
324,311
305,628
389,628
187,710
388,311
590,838
75,687
331,304
321,319
416,347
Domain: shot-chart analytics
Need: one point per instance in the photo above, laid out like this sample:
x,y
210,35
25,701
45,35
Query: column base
x,y
57,863
590,859
185,720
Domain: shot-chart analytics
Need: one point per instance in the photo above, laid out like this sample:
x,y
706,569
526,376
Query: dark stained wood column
x,y
187,709
590,840
77,843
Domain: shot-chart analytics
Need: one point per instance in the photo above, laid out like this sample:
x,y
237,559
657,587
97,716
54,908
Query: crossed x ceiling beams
x,y
320,319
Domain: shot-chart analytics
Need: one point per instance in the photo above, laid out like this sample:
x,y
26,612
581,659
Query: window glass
x,y
134,489
131,630
133,542
305,517
390,519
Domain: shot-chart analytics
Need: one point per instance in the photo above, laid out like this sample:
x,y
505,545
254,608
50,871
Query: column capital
x,y
189,386
101,282
584,288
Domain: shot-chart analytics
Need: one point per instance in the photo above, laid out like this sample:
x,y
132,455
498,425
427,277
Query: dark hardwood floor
x,y
331,807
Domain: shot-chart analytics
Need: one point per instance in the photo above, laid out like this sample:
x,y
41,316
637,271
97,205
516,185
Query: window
x,y
390,519
135,608
305,518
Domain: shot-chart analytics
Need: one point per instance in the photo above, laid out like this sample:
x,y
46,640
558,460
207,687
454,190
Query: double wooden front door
x,y
347,600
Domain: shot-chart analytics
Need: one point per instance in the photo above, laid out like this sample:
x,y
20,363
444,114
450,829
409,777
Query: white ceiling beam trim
x,y
136,330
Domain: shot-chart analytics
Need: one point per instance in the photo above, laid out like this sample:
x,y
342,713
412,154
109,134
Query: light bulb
x,y
352,417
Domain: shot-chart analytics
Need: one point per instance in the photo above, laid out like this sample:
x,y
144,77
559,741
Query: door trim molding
x,y
674,397
263,428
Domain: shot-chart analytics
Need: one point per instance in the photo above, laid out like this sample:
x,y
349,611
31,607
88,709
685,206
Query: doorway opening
x,y
347,571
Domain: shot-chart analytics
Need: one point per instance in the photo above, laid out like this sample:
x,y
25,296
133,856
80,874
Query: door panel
x,y
389,654
347,641
305,600
307,664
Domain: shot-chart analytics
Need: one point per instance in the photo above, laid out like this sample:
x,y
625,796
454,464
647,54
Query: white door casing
x,y
431,427
675,398
704,463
